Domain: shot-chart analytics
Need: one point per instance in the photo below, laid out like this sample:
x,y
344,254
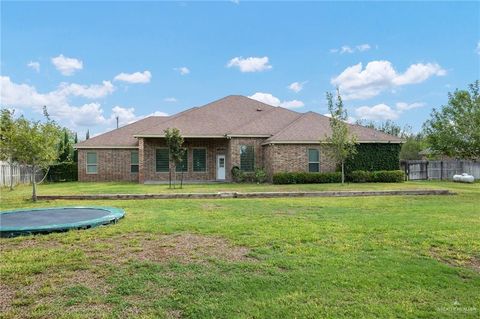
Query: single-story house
x,y
232,131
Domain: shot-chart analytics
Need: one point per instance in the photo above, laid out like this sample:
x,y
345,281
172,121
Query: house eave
x,y
105,147
320,142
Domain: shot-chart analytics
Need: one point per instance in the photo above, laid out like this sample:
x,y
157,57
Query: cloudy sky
x,y
90,62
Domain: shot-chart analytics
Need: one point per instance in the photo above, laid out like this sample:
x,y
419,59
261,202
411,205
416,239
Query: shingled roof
x,y
232,116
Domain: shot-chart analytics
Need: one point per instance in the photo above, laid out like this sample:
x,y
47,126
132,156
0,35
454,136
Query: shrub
x,y
239,176
307,178
396,176
63,172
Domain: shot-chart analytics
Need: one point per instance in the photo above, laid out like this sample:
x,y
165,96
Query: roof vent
x,y
259,110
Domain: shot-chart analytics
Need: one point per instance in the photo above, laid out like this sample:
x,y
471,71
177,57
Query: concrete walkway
x,y
221,195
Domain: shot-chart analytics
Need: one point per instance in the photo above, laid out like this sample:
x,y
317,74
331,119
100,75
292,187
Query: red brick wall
x,y
112,165
294,158
257,146
213,146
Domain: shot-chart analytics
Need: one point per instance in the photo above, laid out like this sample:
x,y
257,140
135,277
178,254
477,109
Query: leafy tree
x,y
412,147
7,140
65,148
341,141
174,141
75,151
37,144
454,130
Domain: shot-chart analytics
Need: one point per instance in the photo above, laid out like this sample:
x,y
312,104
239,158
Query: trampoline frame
x,y
112,218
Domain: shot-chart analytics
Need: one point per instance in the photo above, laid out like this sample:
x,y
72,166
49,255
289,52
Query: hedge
x,y
258,176
396,176
307,178
375,157
63,172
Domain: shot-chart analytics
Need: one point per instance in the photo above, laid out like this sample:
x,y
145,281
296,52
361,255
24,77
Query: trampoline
x,y
56,219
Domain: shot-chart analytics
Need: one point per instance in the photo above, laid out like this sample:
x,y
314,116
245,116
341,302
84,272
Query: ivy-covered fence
x,y
63,172
375,157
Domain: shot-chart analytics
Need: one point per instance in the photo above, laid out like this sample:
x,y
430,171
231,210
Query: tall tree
x,y
37,144
65,147
342,143
75,151
174,141
87,135
454,130
8,147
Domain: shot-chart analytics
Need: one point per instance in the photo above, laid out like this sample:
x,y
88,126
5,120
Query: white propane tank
x,y
464,178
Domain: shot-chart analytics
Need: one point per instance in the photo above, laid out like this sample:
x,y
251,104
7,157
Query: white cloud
x,y
348,49
67,66
158,113
251,64
269,99
93,91
477,49
170,100
402,106
34,65
57,101
358,83
137,77
293,104
377,112
183,70
297,86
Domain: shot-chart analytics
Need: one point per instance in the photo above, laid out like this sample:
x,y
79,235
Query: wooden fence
x,y
20,174
442,170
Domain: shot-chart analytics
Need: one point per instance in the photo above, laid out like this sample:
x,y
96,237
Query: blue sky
x,y
91,61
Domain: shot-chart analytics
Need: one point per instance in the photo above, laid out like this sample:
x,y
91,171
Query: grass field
x,y
398,256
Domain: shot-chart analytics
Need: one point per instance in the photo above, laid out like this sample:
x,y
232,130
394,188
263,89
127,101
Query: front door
x,y
220,167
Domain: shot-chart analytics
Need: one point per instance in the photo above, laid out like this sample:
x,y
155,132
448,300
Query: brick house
x,y
233,131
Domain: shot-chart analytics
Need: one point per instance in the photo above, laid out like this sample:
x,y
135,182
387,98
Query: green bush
x,y
307,178
374,157
239,176
63,172
396,176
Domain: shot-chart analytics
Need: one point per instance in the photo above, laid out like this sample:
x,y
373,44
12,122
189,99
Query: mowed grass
x,y
384,257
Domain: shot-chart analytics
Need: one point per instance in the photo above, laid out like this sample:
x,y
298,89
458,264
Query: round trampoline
x,y
57,219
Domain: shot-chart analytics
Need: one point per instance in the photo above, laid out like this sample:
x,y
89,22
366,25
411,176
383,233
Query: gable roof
x,y
215,119
312,127
232,116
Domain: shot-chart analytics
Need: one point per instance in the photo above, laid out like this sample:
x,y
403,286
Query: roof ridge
x,y
291,123
244,124
119,128
171,118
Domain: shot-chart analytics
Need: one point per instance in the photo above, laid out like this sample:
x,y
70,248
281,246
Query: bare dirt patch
x,y
452,259
7,294
183,248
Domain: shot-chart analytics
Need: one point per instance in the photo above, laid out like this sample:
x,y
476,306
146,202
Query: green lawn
x,y
397,256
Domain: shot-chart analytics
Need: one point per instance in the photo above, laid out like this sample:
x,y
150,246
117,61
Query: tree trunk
x,y
174,174
11,176
181,180
343,172
34,185
169,176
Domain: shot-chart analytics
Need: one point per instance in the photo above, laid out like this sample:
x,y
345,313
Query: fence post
x,y
426,169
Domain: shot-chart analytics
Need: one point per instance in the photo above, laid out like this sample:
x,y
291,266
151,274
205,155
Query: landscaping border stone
x,y
221,195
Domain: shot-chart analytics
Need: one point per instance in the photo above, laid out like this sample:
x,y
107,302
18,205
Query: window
x,y
199,160
313,160
183,165
134,162
161,160
247,158
92,164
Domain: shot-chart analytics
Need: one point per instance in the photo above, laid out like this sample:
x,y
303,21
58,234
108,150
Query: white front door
x,y
220,167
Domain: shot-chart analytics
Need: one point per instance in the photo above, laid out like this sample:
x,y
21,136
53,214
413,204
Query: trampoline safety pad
x,y
55,219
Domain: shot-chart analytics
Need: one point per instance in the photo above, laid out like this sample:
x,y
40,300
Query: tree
x,y
174,141
454,130
7,140
411,148
37,144
75,151
342,143
87,135
65,148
